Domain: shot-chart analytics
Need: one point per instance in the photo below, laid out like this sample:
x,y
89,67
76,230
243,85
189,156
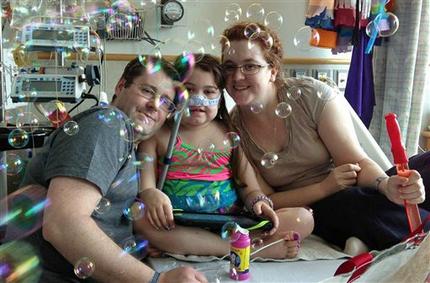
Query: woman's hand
x,y
159,209
341,177
263,209
400,188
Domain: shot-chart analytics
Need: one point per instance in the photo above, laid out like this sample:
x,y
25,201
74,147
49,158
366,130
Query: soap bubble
x,y
265,38
209,202
127,135
231,17
269,160
255,12
182,96
233,7
18,138
136,246
135,211
228,231
206,146
144,161
383,25
273,20
390,27
71,128
306,37
283,110
294,92
12,163
185,65
55,111
109,117
226,46
84,268
251,31
102,206
201,29
195,202
212,274
256,107
119,22
26,119
129,245
257,243
19,262
25,212
195,46
231,140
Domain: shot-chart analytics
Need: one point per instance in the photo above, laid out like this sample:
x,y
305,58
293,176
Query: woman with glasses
x,y
300,138
208,174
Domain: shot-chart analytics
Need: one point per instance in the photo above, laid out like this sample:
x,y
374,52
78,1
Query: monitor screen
x,y
41,85
52,35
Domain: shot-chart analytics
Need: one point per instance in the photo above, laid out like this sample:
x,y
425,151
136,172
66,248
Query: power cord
x,y
86,95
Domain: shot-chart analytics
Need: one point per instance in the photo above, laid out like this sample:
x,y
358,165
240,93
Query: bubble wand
x,y
376,21
401,161
183,63
168,158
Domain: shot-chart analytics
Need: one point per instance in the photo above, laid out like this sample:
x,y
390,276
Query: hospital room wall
x,y
199,13
293,12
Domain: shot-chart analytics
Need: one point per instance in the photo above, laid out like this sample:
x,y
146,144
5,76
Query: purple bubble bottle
x,y
240,250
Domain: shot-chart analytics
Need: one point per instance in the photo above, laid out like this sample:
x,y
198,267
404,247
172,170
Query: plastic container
x,y
240,250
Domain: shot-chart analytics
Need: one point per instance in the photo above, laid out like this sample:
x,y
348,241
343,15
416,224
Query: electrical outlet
x,y
342,78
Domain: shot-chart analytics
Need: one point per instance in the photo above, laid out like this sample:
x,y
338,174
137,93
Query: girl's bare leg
x,y
295,224
183,240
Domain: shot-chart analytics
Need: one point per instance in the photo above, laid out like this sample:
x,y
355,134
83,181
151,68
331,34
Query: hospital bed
x,y
291,271
294,271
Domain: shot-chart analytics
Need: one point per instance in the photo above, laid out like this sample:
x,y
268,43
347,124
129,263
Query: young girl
x,y
207,176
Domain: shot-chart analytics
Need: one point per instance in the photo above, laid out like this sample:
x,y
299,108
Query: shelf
x,y
286,61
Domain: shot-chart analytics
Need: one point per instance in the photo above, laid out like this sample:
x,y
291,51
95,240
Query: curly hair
x,y
273,53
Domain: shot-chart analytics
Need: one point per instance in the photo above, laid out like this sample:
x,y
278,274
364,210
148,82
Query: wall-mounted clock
x,y
171,11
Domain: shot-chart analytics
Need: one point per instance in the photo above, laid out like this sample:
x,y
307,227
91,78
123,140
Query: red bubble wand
x,y
401,161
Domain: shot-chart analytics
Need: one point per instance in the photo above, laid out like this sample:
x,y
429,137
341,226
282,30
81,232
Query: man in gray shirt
x,y
95,166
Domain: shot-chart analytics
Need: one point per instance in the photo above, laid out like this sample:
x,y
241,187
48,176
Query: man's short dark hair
x,y
141,63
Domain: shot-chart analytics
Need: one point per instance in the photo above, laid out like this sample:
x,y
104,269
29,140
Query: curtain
x,y
359,88
401,66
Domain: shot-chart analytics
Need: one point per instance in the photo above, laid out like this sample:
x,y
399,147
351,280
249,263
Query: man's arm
x,y
68,226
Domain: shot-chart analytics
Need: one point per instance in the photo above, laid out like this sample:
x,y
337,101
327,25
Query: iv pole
x,y
3,176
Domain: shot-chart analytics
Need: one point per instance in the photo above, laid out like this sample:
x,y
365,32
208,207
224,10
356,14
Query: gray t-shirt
x,y
101,153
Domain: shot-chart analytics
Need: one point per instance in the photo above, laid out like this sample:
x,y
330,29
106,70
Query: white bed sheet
x,y
261,272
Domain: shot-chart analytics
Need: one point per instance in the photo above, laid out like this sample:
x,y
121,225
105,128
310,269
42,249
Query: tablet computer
x,y
214,221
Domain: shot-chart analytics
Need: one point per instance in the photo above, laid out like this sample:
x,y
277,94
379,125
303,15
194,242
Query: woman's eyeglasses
x,y
246,69
166,104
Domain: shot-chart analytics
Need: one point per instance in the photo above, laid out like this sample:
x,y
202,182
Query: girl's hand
x,y
341,177
264,210
410,189
159,209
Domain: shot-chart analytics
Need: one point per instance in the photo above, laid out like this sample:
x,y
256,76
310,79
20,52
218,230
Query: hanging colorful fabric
x,y
326,39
